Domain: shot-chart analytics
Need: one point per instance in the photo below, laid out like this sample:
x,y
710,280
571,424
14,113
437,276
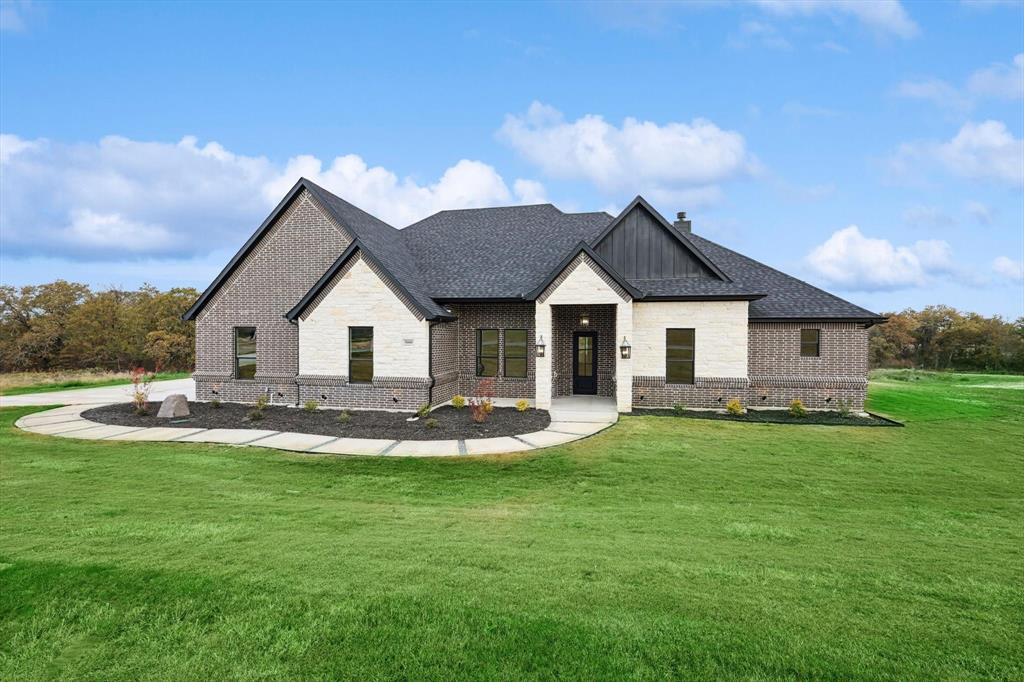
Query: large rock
x,y
173,406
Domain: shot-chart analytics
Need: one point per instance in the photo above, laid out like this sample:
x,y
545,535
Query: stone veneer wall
x,y
777,372
499,316
286,263
565,321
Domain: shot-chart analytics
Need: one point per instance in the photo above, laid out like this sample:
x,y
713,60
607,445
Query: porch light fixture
x,y
625,349
584,320
540,346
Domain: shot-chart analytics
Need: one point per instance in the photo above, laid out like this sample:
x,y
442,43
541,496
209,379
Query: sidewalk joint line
x,y
247,442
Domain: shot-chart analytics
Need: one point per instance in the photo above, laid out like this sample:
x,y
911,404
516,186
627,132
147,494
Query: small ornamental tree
x,y
142,382
481,405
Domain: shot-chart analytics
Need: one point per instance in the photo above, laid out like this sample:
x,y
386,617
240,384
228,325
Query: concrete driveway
x,y
102,395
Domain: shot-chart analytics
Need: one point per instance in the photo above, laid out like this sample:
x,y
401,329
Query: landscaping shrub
x,y
481,405
254,415
458,402
796,408
142,382
310,405
424,410
522,405
215,403
679,408
488,405
431,423
734,407
845,408
344,417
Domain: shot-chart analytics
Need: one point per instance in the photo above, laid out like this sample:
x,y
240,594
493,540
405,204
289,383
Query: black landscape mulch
x,y
452,424
775,417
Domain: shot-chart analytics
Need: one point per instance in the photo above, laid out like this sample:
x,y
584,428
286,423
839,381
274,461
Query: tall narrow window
x,y
360,354
515,352
810,343
245,352
487,352
679,356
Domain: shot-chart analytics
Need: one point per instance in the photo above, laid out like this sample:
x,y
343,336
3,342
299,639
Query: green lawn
x,y
20,383
661,548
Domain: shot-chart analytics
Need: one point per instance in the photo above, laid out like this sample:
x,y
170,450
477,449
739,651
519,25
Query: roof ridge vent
x,y
682,224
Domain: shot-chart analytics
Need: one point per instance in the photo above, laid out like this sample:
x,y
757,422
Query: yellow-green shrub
x,y
734,407
522,405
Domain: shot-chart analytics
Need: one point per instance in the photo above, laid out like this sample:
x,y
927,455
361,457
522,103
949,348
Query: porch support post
x,y
623,368
542,325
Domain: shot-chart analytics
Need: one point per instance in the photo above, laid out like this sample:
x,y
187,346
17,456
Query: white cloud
x,y
984,151
1010,269
980,212
15,15
998,80
756,33
832,46
883,16
122,197
927,217
853,261
671,161
1005,81
936,91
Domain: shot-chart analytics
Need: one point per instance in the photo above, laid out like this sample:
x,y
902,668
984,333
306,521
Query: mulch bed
x,y
452,424
775,417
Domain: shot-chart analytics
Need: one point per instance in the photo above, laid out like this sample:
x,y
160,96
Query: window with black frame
x,y
360,354
810,343
679,354
515,353
245,352
487,352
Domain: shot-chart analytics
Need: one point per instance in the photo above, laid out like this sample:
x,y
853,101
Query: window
x,y
810,343
245,352
487,352
679,356
515,353
360,354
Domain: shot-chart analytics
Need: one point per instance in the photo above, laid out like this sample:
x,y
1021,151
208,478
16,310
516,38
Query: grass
x,y
661,548
18,383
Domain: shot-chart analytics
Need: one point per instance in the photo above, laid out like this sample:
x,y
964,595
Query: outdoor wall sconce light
x,y
540,346
584,320
625,349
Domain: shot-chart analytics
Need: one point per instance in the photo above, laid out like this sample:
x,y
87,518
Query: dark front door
x,y
584,363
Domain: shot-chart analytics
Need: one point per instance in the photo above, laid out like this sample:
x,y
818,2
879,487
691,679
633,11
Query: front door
x,y
584,363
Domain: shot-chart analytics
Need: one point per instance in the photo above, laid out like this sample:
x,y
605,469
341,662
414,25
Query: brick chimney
x,y
682,224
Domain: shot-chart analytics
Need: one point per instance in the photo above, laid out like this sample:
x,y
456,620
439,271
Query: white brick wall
x,y
361,299
583,286
720,336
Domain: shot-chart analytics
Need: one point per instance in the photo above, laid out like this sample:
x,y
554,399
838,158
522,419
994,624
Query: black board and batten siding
x,y
640,248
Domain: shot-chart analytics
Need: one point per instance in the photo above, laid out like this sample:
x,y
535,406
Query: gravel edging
x,y
452,424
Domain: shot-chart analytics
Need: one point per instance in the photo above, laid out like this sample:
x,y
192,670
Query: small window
x,y
245,352
515,353
360,354
810,343
487,352
679,356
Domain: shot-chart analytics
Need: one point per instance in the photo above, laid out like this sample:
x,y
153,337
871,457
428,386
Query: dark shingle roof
x,y
496,252
507,252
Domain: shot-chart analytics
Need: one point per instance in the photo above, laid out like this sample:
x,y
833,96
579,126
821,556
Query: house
x,y
326,302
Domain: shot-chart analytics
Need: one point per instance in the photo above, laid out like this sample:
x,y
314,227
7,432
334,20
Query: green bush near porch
x,y
659,548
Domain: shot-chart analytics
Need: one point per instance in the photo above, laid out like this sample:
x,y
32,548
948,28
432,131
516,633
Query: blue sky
x,y
872,148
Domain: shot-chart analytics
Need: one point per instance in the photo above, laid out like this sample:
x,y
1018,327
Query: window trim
x,y
497,350
525,356
817,342
692,361
350,379
234,348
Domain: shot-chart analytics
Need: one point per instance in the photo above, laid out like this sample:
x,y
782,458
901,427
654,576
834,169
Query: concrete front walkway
x,y
67,422
103,395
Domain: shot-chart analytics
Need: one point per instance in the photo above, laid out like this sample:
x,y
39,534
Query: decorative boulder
x,y
173,406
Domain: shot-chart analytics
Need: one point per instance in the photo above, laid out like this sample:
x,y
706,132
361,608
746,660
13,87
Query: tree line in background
x,y
943,338
64,325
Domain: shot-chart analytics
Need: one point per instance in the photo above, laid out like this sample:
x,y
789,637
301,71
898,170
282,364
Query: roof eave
x,y
701,297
